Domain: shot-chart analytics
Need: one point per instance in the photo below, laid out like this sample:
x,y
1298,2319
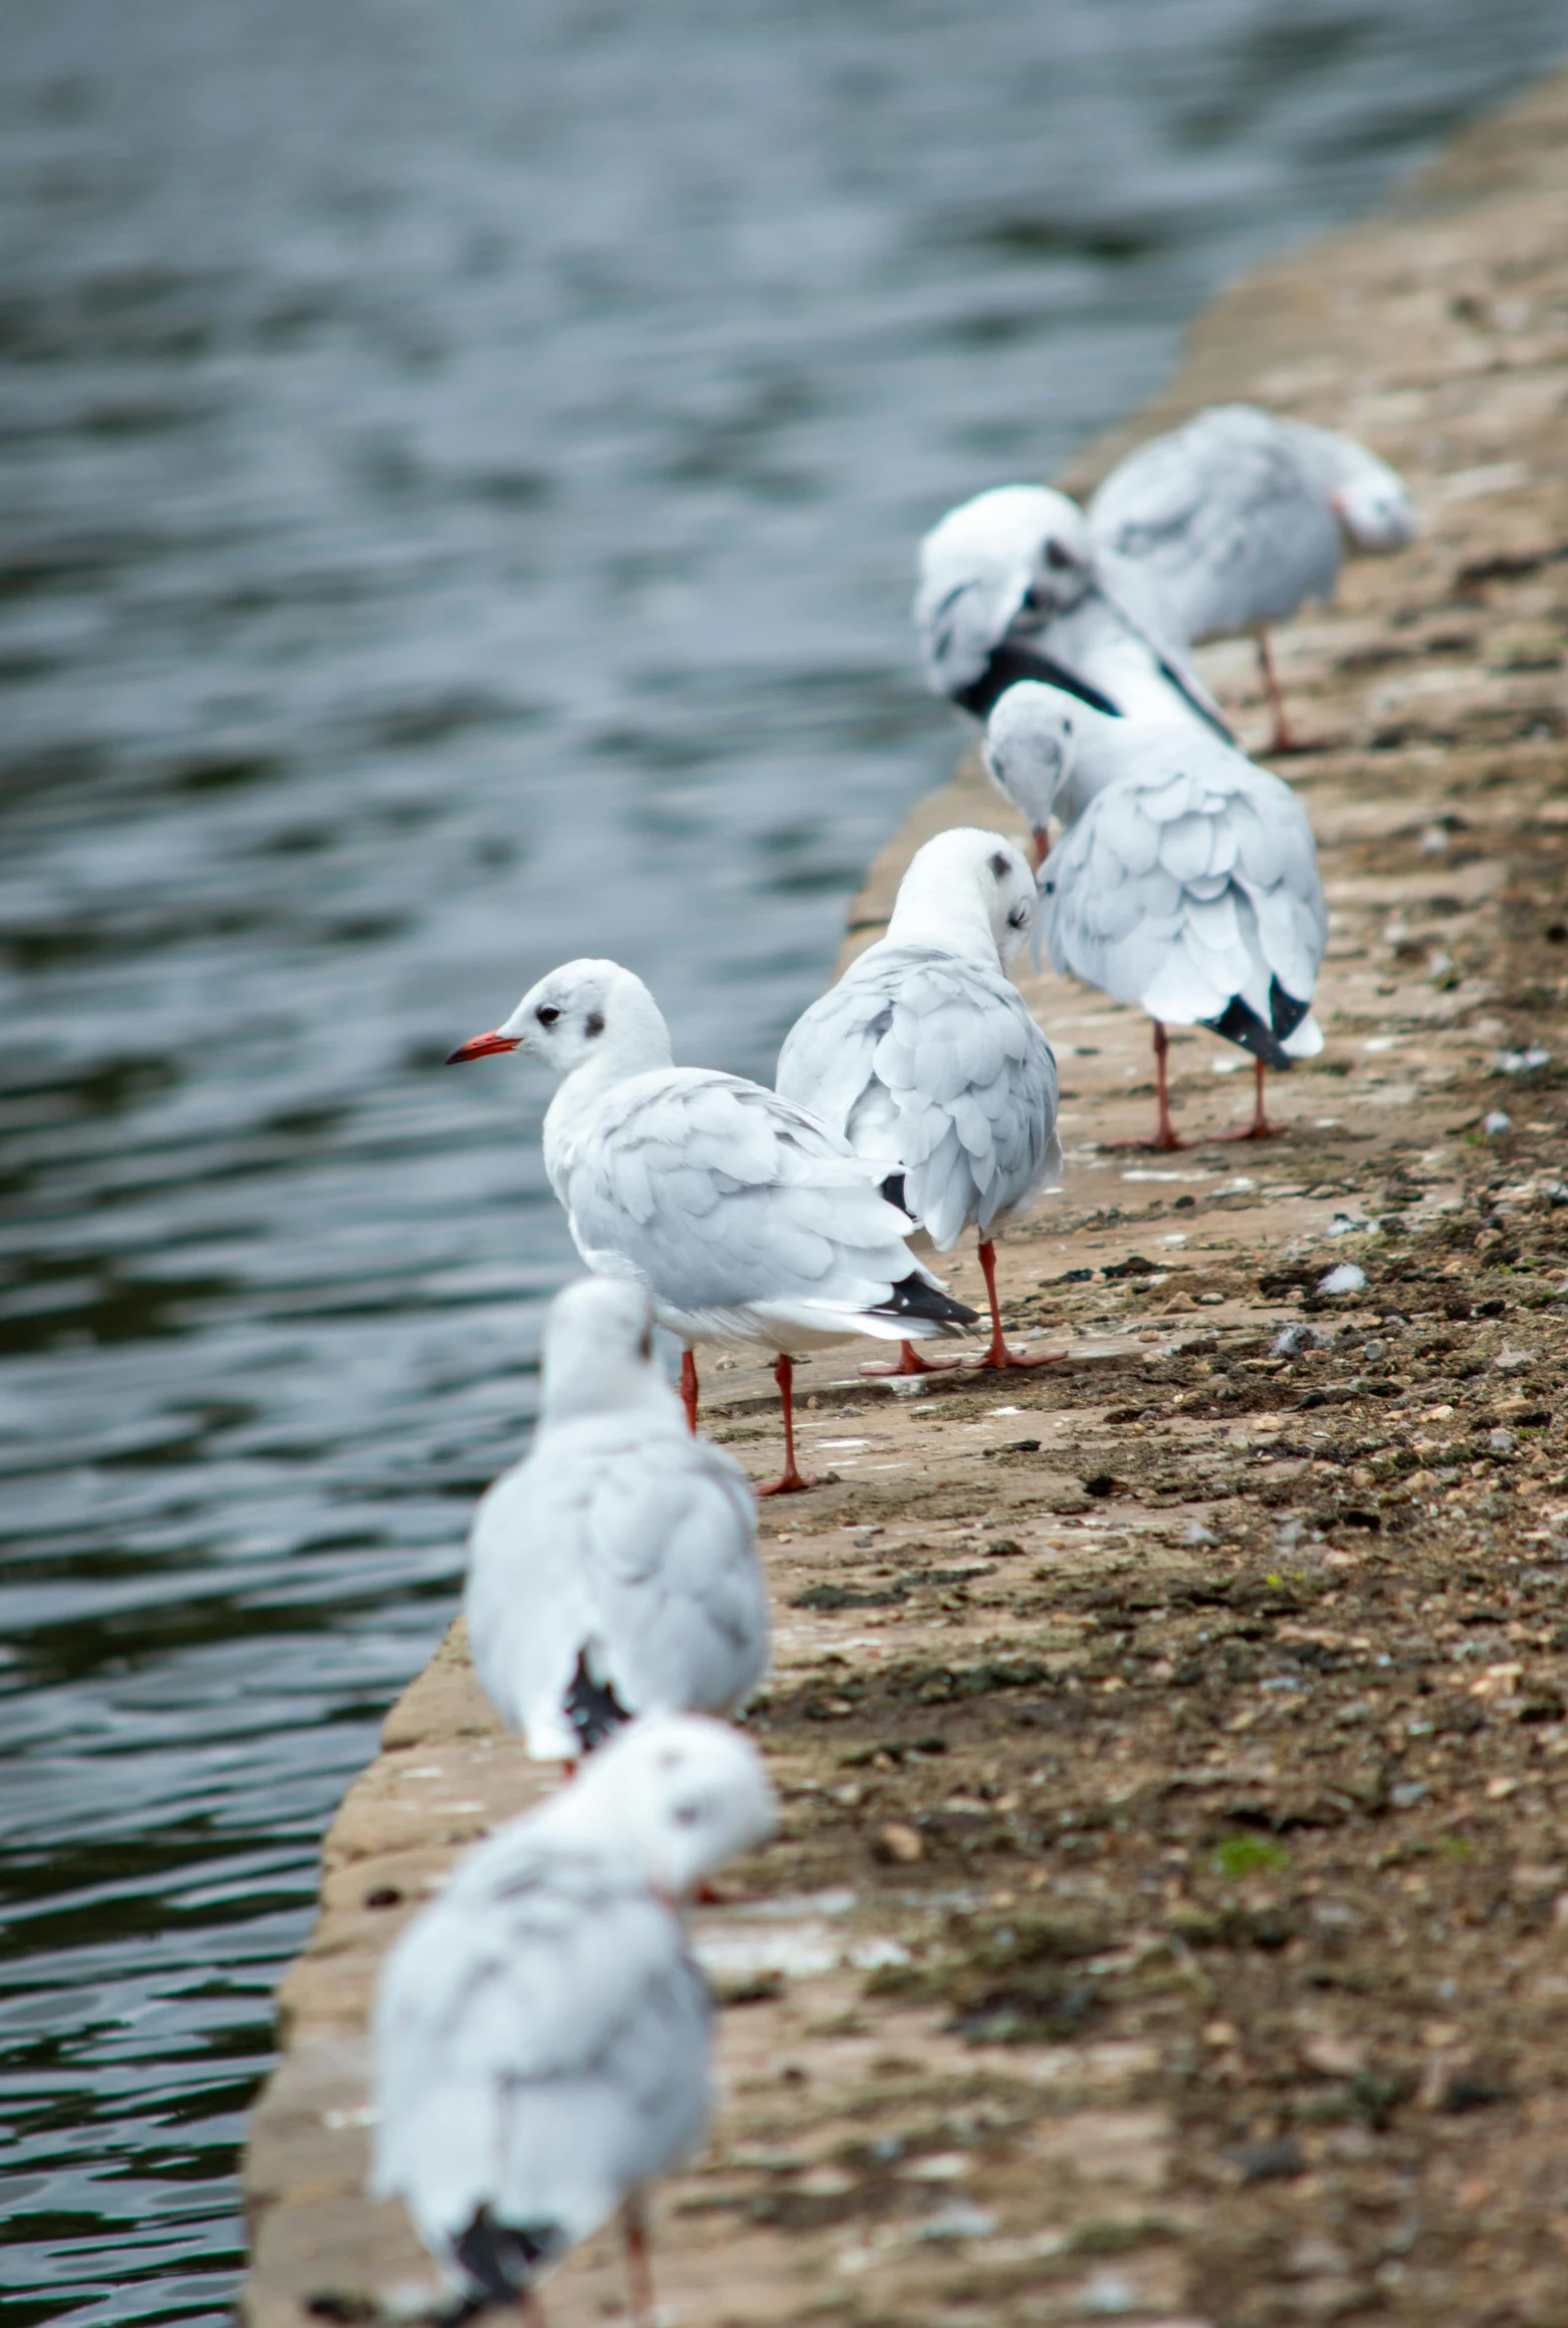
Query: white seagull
x,y
1013,585
925,1058
541,2034
1187,881
746,1218
614,1570
1241,515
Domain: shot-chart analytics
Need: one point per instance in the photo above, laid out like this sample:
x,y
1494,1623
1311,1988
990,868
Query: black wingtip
x,y
500,2259
1012,662
592,1708
1238,1023
1285,1012
916,1297
896,1194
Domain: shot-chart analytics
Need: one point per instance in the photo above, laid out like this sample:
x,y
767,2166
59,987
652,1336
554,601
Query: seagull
x,y
541,2034
746,1218
1013,585
1187,881
1241,515
614,1572
924,1059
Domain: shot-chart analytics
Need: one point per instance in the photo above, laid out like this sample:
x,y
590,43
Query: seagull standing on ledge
x,y
1013,585
541,2034
746,1218
1241,515
1187,881
614,1572
925,1058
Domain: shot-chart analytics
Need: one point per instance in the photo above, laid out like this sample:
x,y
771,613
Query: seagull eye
x,y
546,1013
1018,917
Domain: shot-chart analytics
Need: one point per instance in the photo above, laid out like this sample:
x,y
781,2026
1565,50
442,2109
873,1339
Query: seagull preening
x,y
746,1218
542,2033
1243,516
1187,881
1013,585
613,1572
924,1059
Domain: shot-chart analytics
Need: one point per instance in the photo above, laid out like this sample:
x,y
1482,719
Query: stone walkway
x,y
1168,1923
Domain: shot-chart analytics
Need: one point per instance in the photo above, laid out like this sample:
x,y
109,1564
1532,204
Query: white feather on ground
x,y
542,2032
1013,584
614,1570
1188,877
1241,515
925,1057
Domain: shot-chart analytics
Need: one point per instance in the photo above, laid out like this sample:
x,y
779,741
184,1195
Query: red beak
x,y
481,1047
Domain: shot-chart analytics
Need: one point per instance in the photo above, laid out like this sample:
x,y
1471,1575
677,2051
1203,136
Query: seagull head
x,y
676,1795
964,883
1375,509
1032,745
1006,563
581,1013
598,1355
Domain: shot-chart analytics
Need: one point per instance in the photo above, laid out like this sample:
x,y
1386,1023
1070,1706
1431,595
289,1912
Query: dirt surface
x,y
1170,1922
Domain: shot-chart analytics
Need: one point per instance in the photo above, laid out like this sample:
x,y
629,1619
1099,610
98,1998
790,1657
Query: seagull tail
x,y
922,1308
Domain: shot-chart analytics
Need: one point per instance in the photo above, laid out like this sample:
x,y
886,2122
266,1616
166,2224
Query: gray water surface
x,y
461,466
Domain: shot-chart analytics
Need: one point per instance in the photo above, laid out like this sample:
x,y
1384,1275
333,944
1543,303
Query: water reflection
x,y
462,469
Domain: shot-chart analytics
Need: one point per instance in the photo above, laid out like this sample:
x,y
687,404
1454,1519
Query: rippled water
x,y
461,466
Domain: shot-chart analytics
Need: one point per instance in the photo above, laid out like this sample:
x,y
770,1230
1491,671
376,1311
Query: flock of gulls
x,y
542,2033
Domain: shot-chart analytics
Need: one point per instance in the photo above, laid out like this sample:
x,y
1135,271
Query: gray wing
x,y
540,2048
681,1618
719,1195
937,1060
1180,894
1227,519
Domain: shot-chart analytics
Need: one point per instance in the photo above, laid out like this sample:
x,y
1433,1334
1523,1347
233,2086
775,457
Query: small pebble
x,y
1497,1125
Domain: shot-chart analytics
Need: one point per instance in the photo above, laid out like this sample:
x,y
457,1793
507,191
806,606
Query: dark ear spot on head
x,y
1000,866
596,1022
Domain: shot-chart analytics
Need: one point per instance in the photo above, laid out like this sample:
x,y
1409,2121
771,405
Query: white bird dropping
x,y
925,1058
1013,585
1187,881
542,2033
1240,517
746,1218
614,1570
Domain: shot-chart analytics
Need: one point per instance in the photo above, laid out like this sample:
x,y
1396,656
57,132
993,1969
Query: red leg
x,y
791,1483
1165,1135
1259,1129
911,1362
1286,739
639,2265
531,2311
999,1354
689,1389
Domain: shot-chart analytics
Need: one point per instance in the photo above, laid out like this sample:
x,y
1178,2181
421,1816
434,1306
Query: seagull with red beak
x,y
745,1218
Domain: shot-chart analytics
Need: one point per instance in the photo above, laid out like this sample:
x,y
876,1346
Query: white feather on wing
x,y
1179,892
721,1196
966,1083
